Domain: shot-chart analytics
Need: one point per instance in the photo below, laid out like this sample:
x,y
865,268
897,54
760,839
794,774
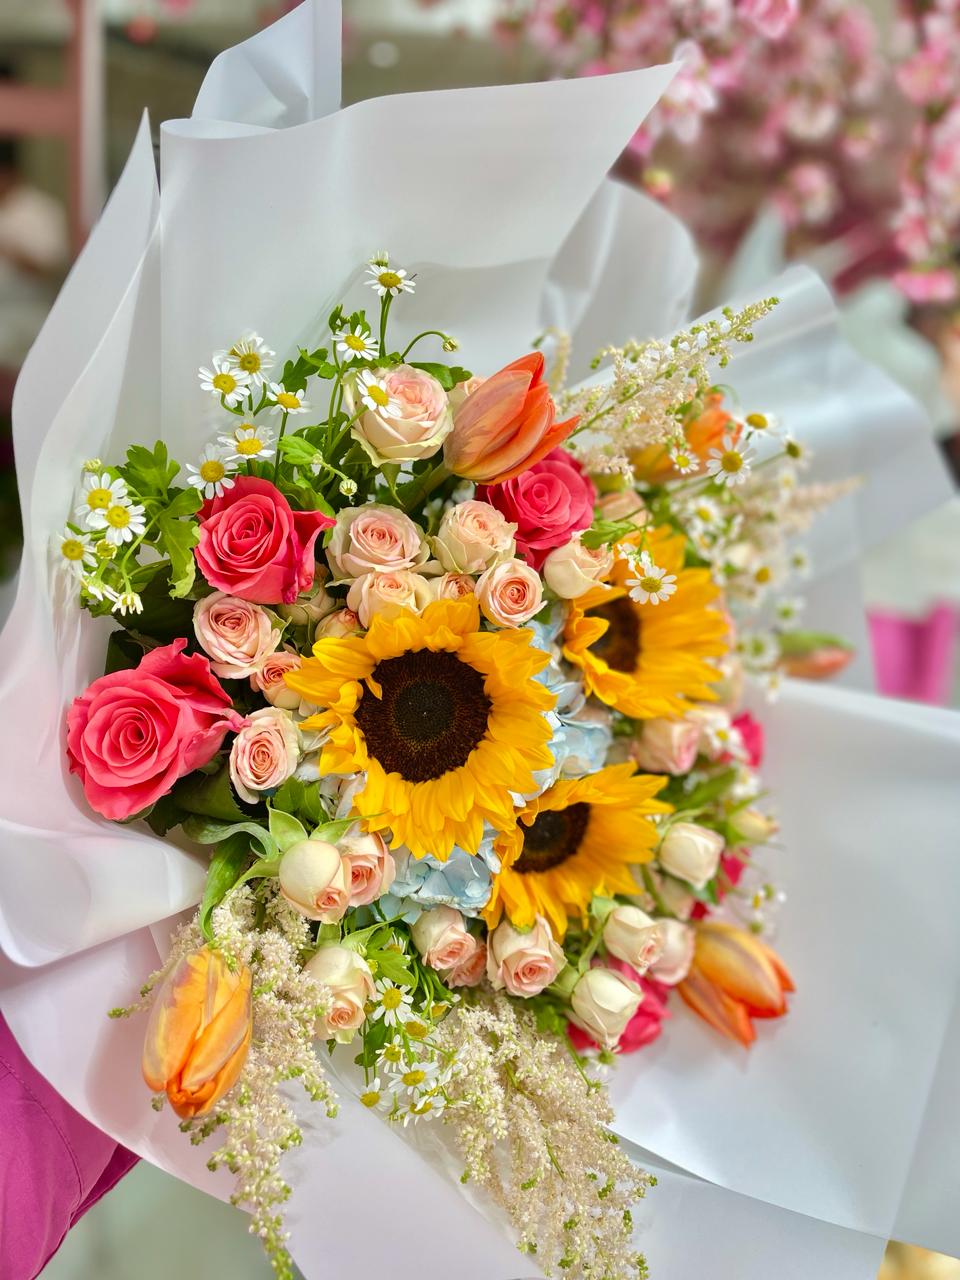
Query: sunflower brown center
x,y
619,646
433,713
552,838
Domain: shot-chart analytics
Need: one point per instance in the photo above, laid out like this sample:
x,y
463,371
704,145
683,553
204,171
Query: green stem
x,y
427,333
385,302
651,888
429,481
283,427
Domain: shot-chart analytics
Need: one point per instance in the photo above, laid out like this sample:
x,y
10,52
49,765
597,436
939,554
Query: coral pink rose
x,y
269,680
523,963
368,866
264,753
549,503
443,939
134,733
645,1025
255,546
510,594
236,634
469,972
374,537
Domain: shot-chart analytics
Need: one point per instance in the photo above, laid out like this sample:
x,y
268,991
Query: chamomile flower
x,y
705,515
392,1057
373,1095
98,493
248,442
225,381
212,475
798,452
284,401
386,279
419,1078
730,464
764,423
374,394
759,649
683,458
128,602
99,591
77,552
789,609
421,1109
652,585
356,345
800,563
393,1003
121,522
251,356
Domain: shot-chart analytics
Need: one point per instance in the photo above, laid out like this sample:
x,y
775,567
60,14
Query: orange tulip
x,y
506,425
818,664
733,979
703,433
199,1032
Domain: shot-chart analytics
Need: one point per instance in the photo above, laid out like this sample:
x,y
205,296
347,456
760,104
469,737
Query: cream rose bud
x,y
603,1002
460,392
373,537
677,954
472,537
443,939
523,963
269,680
510,593
415,424
313,879
755,827
631,935
572,570
264,753
236,635
368,866
309,607
667,746
452,586
691,852
387,593
342,623
623,505
349,981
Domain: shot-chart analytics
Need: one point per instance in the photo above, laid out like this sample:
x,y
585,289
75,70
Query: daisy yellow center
x,y
378,395
390,279
619,646
392,1053
683,459
118,517
704,513
99,499
649,583
355,343
225,383
370,1098
554,836
248,447
249,362
417,1030
758,421
432,714
732,461
212,470
287,400
72,549
762,575
414,1077
105,549
422,1108
392,998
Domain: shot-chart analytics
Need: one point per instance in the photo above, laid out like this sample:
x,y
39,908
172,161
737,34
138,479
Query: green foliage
x,y
211,831
210,795
149,472
447,375
604,533
226,867
177,538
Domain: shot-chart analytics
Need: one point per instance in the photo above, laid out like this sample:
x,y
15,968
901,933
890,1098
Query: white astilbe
x,y
533,1132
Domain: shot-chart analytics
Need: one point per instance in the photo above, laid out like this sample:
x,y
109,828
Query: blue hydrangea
x,y
463,881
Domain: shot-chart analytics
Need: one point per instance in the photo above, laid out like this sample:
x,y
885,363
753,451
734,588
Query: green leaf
x,y
289,797
708,791
298,451
286,829
164,816
210,795
448,376
262,869
603,533
125,650
163,619
211,831
799,644
333,831
226,866
177,538
149,471
184,502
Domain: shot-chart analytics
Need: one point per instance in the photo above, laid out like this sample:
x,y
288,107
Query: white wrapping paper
x,y
263,215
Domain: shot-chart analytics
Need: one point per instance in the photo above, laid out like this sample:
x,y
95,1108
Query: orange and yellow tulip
x,y
734,978
199,1032
506,425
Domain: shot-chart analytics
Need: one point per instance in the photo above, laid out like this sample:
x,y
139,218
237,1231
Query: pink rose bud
x,y
676,957
418,421
452,586
523,963
342,623
471,971
443,939
388,592
269,680
314,881
667,746
237,635
510,593
631,935
691,852
347,978
472,537
264,753
572,570
369,867
603,1003
373,537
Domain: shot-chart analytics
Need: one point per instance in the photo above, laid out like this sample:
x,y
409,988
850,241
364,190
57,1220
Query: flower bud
x,y
667,746
755,827
631,935
313,880
691,852
677,954
603,1002
523,963
443,939
349,981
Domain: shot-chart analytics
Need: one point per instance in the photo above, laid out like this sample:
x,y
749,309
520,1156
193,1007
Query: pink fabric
x,y
915,659
54,1165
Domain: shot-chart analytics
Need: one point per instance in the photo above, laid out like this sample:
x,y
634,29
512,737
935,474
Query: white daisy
x,y
800,563
373,1095
248,442
128,602
421,1109
730,464
683,458
765,423
225,381
705,515
78,555
98,493
99,590
358,345
251,356
287,401
392,1057
387,279
652,584
759,649
789,609
374,394
419,1078
212,476
800,454
393,1003
120,523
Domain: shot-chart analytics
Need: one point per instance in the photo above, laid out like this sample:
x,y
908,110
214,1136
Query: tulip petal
x,y
484,419
175,1020
727,1016
551,439
219,1041
739,965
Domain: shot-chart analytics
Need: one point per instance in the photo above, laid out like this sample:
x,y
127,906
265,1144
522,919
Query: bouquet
x,y
442,669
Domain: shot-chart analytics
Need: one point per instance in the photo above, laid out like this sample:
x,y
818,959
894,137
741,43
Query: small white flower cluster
x,y
413,1071
108,522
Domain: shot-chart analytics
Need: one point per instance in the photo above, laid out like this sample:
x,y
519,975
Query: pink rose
x,y
374,537
254,545
471,971
349,982
472,537
751,735
452,586
134,733
264,753
368,866
443,939
413,425
676,957
313,880
667,746
772,18
549,503
523,963
269,680
342,623
510,594
238,635
388,592
645,1025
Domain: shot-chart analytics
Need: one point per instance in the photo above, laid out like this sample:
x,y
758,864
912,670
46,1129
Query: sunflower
x,y
577,840
445,721
649,660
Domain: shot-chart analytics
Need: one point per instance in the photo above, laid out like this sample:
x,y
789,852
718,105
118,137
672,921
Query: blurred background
x,y
817,130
